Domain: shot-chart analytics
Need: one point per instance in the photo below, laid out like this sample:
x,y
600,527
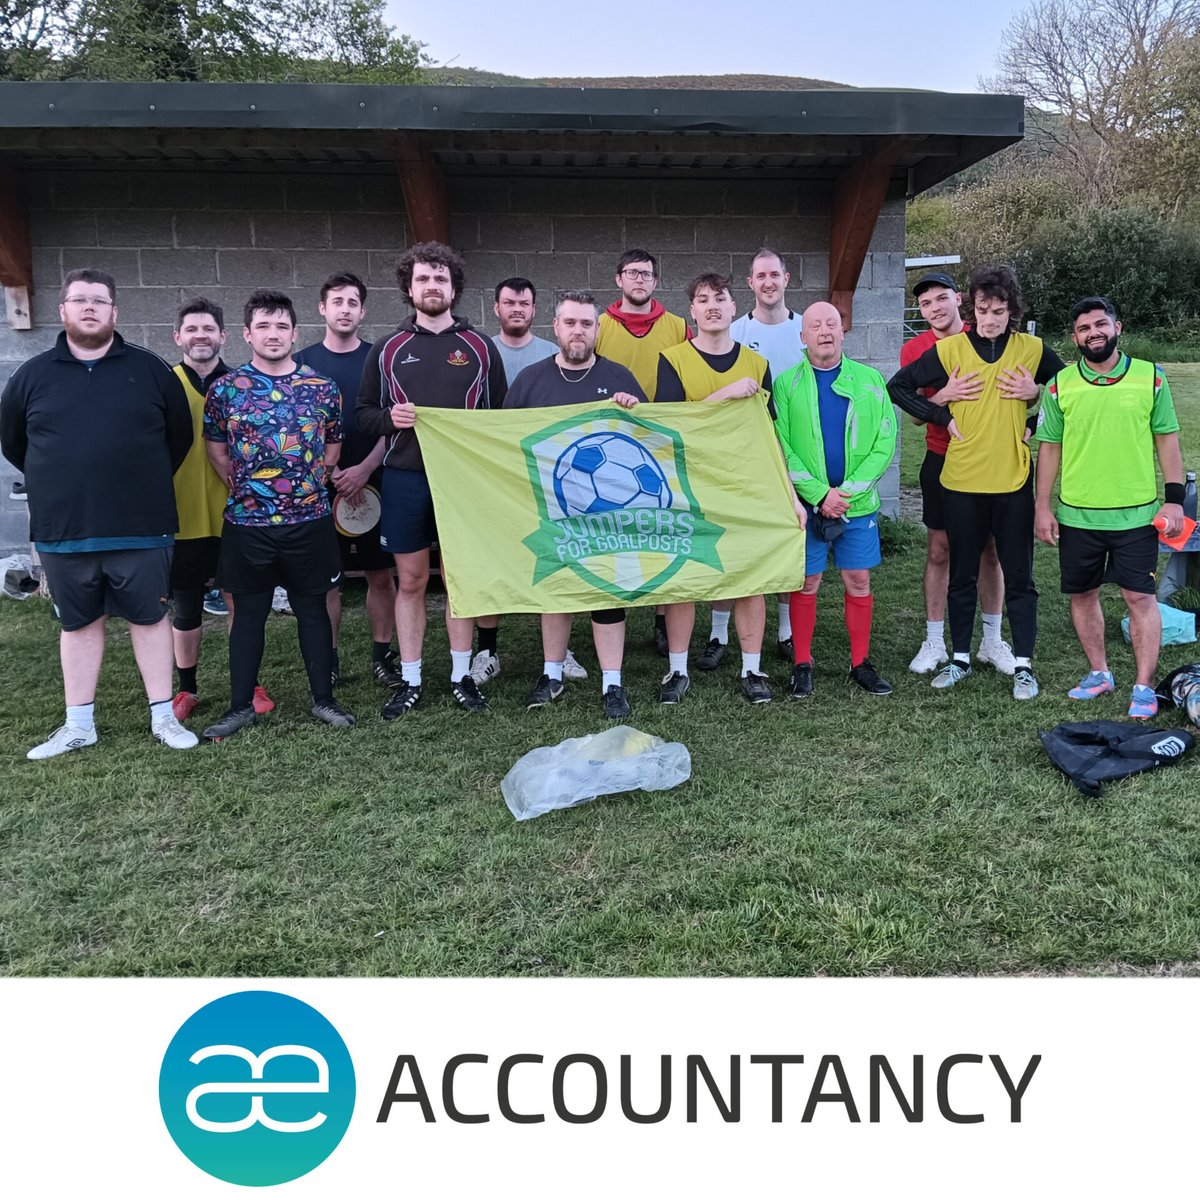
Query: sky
x,y
868,43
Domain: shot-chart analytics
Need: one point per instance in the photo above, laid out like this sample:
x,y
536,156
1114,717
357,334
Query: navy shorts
x,y
131,584
303,558
194,563
1089,557
407,524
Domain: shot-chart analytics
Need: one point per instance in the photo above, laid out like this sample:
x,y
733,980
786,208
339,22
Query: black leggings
x,y
189,608
250,613
1008,517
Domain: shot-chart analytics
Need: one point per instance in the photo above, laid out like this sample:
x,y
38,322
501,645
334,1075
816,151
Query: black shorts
x,y
194,563
407,524
933,495
259,558
131,584
1089,557
608,616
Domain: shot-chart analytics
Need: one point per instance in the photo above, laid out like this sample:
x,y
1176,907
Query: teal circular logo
x,y
257,1088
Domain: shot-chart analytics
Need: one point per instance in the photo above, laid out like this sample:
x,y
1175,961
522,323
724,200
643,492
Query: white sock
x,y
82,716
609,679
785,620
991,627
963,660
553,669
410,672
677,662
935,631
750,663
720,627
460,664
160,709
1023,662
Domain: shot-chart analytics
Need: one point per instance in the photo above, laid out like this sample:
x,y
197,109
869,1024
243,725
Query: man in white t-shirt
x,y
771,329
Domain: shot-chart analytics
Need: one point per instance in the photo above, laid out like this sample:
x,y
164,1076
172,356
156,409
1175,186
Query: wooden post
x,y
857,202
424,188
16,252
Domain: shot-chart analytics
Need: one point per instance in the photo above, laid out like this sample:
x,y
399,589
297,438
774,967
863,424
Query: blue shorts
x,y
857,549
406,522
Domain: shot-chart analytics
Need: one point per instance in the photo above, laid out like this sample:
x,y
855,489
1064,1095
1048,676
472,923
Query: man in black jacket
x,y
99,427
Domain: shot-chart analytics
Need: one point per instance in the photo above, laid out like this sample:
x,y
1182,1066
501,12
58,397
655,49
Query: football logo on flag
x,y
615,504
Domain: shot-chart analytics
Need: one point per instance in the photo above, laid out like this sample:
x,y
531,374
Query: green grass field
x,y
924,833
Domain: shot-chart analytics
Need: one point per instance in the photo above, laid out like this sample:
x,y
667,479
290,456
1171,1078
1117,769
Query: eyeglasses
x,y
647,275
88,301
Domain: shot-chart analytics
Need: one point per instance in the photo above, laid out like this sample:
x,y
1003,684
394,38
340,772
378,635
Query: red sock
x,y
803,610
858,626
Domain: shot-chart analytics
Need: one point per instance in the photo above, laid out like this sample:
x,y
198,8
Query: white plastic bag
x,y
620,759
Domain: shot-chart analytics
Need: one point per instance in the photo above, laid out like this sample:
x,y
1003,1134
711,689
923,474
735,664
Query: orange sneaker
x,y
262,702
184,705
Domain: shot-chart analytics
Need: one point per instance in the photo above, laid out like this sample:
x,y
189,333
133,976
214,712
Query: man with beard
x,y
575,375
634,331
200,496
838,433
1103,422
98,426
439,360
940,303
987,466
273,431
341,356
714,367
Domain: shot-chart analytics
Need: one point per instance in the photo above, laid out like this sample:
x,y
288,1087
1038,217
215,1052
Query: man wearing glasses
x,y
634,331
99,427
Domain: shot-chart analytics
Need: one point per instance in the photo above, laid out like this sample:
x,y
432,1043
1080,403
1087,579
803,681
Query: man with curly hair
x,y
435,359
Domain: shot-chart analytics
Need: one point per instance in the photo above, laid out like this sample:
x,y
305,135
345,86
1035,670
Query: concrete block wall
x,y
167,236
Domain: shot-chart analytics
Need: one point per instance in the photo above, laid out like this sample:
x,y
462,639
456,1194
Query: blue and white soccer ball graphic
x,y
606,471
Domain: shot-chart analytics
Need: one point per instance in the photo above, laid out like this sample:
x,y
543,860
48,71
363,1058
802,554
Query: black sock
x,y
380,651
337,662
187,679
488,639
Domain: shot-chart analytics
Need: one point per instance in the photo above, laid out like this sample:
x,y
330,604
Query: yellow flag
x,y
593,506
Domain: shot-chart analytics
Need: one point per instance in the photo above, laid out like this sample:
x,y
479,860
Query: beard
x,y
202,354
431,305
1099,354
573,352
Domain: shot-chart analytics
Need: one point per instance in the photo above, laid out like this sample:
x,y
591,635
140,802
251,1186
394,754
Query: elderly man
x,y
99,426
838,432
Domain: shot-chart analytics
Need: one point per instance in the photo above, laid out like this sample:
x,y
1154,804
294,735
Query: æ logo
x,y
615,503
257,1088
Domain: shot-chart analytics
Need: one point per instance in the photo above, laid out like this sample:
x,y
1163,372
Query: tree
x,y
329,41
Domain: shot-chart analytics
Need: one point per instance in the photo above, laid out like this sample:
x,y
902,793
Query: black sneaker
x,y
674,688
386,671
710,660
787,651
332,713
468,696
616,704
233,721
660,641
801,686
870,679
545,691
401,701
755,688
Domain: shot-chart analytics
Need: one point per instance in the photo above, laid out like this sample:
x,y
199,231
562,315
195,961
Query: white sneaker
x,y
998,653
572,669
169,731
930,656
280,602
484,666
64,738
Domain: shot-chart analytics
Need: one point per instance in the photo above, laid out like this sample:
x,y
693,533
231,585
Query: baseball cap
x,y
934,279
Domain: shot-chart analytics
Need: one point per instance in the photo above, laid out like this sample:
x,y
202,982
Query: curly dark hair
x,y
998,283
435,254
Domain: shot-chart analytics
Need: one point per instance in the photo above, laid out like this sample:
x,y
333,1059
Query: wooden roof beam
x,y
424,186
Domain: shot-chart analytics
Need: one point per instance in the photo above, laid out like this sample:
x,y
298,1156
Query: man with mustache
x,y
577,375
273,431
1103,421
98,426
434,359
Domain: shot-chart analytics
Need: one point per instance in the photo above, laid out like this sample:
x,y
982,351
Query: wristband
x,y
1173,493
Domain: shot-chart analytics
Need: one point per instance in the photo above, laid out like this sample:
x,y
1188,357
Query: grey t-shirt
x,y
515,361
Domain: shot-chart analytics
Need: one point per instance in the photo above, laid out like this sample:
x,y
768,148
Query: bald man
x,y
838,432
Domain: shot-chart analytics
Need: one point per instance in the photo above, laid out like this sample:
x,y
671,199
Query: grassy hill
x,y
475,77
